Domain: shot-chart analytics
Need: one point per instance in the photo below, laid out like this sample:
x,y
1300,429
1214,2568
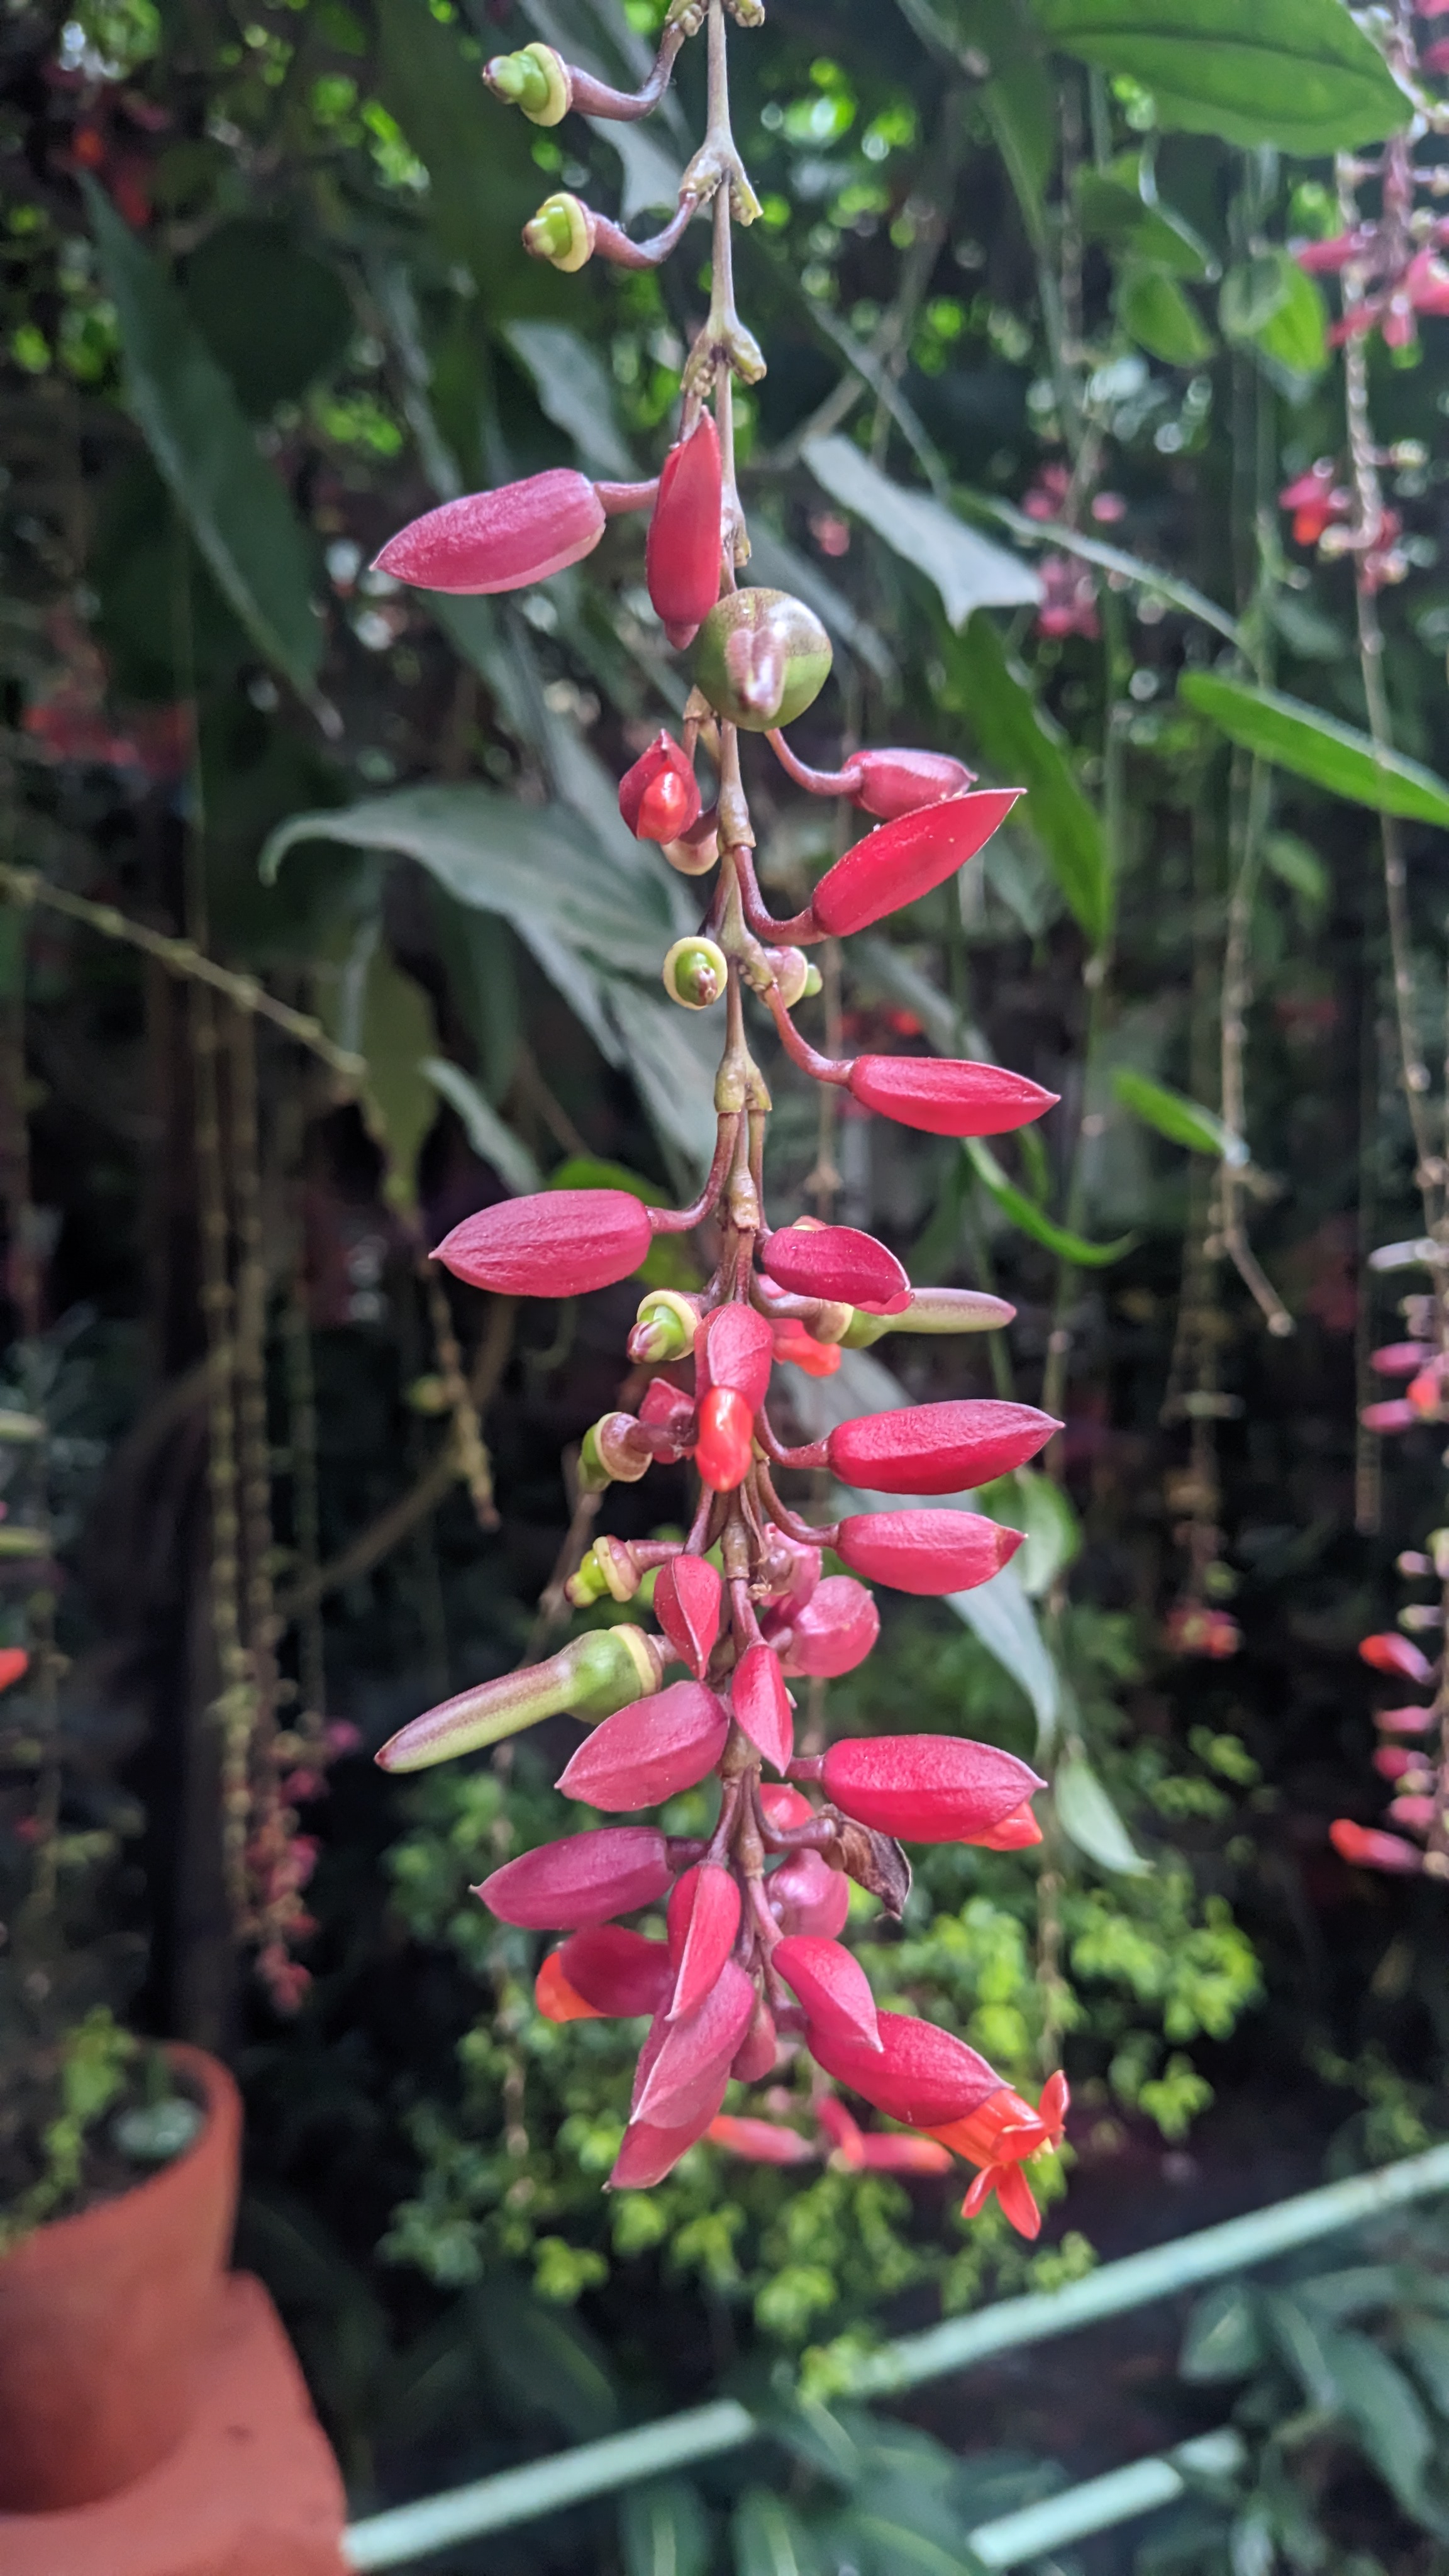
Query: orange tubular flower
x,y
1000,2136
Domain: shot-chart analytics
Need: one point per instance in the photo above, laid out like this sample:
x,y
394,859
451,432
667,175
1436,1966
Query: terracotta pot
x,y
104,2319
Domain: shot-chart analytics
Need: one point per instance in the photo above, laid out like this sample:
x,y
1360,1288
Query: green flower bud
x,y
664,1328
562,232
762,658
606,1457
606,1573
696,973
591,1676
537,81
814,983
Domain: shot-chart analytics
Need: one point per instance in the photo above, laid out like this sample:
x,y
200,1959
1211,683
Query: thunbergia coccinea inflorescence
x,y
752,1963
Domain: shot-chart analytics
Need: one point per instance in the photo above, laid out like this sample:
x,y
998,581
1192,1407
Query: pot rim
x,y
221,2103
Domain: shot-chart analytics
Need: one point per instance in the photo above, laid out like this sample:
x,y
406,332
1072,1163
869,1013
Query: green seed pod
x,y
762,658
695,973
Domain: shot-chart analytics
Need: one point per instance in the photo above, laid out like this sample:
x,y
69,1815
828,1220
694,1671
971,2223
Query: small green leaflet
x,y
766,2539
1182,1121
1297,73
1113,209
1154,312
1222,2339
1088,1818
1057,1238
1316,747
241,518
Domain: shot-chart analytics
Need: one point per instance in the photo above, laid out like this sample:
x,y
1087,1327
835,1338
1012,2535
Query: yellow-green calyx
x,y
536,80
591,1676
695,973
560,232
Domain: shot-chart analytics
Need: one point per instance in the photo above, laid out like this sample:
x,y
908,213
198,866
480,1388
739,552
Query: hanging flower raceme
x,y
754,1974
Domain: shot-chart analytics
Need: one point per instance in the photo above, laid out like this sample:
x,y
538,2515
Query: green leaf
x,y
272,314
767,2539
1425,2343
484,183
1035,1504
1059,1239
1300,868
1380,2403
1004,719
891,2548
1298,73
664,2529
490,1139
1088,1818
1112,208
550,2361
1182,1121
1154,312
968,570
241,518
1223,2340
673,1055
1314,746
1267,302
576,391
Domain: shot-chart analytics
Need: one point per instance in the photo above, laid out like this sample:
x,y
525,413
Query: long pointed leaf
x,y
1022,1211
1334,756
237,511
1005,722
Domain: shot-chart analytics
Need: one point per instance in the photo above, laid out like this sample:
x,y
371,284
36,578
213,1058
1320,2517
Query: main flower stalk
x,y
751,1967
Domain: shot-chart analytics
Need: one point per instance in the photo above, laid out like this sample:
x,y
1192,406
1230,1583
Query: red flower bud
x,y
556,1243
937,1448
565,1886
725,1442
659,796
922,1788
762,1704
839,1265
925,1551
615,1972
555,1998
760,2142
649,1751
807,1895
696,2051
834,1631
1397,1762
784,1806
901,861
945,1098
684,548
735,1349
1415,1812
1404,1721
1388,1653
893,783
902,2154
687,1598
704,1916
755,2057
648,2154
14,1664
802,1351
832,1986
920,2075
501,540
668,1409
1366,1849
1395,1413
1400,1359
